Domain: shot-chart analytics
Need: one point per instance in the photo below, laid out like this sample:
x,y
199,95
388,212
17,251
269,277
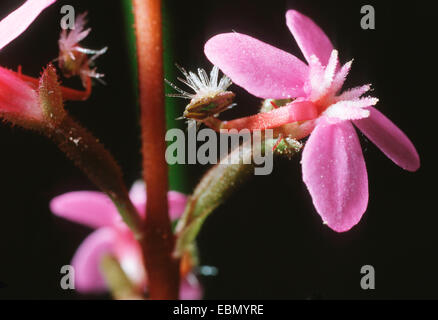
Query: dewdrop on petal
x,y
73,59
211,96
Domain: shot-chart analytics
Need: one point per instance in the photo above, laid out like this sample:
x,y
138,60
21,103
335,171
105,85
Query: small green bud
x,y
50,96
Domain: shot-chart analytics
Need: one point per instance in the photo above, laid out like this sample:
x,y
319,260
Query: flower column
x,y
158,241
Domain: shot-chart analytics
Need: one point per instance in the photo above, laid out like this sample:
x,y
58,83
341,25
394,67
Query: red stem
x,y
158,241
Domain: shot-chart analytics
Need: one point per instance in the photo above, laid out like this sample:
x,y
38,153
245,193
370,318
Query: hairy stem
x,y
84,149
98,164
219,183
214,188
158,242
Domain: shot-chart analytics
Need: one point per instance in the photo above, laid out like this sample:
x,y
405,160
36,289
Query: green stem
x,y
219,183
98,164
85,150
174,107
118,282
128,10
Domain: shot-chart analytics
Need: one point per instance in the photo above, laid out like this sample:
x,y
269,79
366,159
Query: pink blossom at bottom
x,y
112,236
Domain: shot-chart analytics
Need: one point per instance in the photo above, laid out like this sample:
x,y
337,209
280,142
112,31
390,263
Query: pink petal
x,y
70,39
321,77
343,110
340,77
17,98
390,139
310,38
90,208
19,20
177,204
334,172
261,69
316,78
128,252
354,93
190,288
351,109
137,194
331,68
87,259
176,200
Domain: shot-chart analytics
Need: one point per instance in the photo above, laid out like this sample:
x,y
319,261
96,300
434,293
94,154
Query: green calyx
x,y
50,96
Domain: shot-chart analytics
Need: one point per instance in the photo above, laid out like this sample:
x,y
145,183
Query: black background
x,y
267,241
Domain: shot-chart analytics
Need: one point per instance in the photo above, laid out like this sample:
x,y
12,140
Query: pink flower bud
x,y
19,102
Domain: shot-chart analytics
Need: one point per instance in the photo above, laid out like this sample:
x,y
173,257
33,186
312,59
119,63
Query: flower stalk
x,y
84,149
120,286
221,182
158,244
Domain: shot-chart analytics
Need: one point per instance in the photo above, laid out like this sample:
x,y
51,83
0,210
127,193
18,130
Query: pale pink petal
x,y
340,77
176,200
128,252
19,20
138,192
331,68
190,288
351,109
261,69
70,39
343,111
320,77
316,78
90,208
334,172
362,102
354,93
177,203
310,38
138,196
390,139
87,259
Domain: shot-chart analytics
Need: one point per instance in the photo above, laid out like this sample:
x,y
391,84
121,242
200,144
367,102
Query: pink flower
x,y
332,162
112,236
19,100
19,20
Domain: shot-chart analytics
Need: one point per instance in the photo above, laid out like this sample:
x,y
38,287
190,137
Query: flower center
x,y
324,86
